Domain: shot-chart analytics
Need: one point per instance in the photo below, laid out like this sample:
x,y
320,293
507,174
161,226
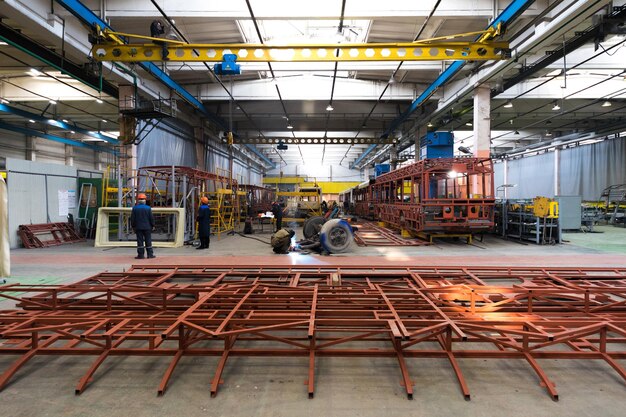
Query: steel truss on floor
x,y
526,313
369,234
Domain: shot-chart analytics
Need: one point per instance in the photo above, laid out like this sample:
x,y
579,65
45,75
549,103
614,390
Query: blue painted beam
x,y
258,153
512,11
363,156
32,132
61,124
89,18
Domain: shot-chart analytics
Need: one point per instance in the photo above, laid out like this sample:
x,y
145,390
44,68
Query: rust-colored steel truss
x,y
369,234
525,313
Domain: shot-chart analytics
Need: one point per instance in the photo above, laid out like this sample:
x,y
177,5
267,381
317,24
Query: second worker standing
x,y
204,224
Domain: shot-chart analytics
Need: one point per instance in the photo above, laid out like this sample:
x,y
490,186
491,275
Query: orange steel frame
x,y
453,195
524,313
261,198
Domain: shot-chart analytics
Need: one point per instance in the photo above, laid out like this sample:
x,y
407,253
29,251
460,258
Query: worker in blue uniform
x,y
142,222
204,223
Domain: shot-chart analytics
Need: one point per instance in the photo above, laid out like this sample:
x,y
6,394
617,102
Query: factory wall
x,y
14,145
33,189
583,170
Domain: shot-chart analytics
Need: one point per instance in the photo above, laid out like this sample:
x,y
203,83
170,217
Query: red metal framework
x,y
44,235
450,195
525,313
179,186
369,234
453,195
259,198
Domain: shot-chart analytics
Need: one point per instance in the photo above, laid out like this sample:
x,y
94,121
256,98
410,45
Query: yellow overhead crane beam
x,y
108,47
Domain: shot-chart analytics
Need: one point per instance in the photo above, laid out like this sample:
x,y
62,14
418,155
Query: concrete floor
x,y
344,386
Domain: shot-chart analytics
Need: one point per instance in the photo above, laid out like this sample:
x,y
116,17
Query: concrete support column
x,y
198,134
31,148
557,173
505,171
98,163
393,157
69,155
419,134
482,122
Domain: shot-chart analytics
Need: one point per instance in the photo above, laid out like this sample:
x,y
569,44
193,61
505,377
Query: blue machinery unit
x,y
380,169
437,145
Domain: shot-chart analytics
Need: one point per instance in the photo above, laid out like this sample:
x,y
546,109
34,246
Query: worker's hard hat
x,y
141,196
204,200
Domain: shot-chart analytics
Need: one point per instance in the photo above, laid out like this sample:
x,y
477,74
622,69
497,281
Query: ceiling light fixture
x,y
71,131
429,124
104,120
606,104
556,107
31,120
65,121
330,107
53,102
548,133
4,101
508,105
35,72
289,126
99,101
469,124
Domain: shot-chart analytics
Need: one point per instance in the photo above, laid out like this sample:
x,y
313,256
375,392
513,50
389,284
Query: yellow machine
x,y
545,207
302,204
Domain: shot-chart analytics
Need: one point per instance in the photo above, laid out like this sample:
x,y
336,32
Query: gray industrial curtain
x,y
587,170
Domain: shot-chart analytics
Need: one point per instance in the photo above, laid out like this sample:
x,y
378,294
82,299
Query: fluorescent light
x,y
548,133
31,120
65,121
3,43
289,126
508,105
53,102
93,140
104,121
454,174
606,104
71,131
4,101
556,107
429,124
330,108
35,72
98,101
469,124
